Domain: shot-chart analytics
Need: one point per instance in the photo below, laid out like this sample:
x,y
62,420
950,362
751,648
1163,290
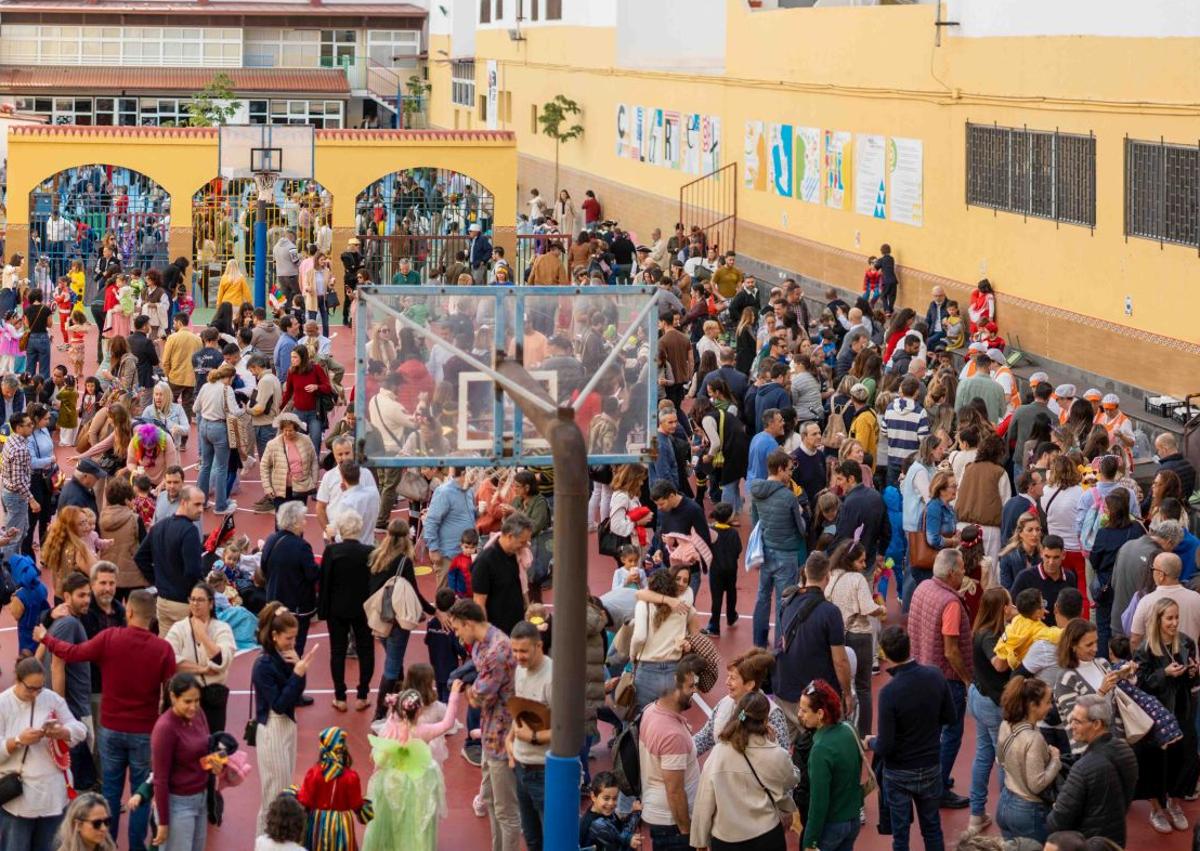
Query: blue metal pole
x,y
260,256
562,802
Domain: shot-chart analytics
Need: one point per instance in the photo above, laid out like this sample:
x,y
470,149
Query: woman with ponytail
x,y
1028,765
277,681
747,777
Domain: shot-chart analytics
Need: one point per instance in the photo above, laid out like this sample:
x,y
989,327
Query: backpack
x,y
1092,521
626,761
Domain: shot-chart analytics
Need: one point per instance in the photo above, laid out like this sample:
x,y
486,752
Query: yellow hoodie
x,y
1019,636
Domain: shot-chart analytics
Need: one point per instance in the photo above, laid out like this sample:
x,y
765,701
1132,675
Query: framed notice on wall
x,y
838,157
906,203
870,184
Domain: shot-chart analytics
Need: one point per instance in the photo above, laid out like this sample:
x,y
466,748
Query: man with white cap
x,y
1064,395
479,253
1118,426
981,385
969,367
1094,396
1042,378
1002,375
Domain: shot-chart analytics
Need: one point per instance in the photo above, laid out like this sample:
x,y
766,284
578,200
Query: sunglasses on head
x,y
810,689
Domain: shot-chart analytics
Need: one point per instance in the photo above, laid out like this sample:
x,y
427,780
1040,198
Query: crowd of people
x,y
909,506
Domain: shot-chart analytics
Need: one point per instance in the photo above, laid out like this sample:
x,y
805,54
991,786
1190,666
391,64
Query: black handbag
x,y
610,542
331,300
213,696
11,785
250,734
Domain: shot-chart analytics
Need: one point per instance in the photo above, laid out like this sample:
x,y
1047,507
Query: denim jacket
x,y
940,520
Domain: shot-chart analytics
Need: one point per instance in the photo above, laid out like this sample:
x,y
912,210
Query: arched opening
x,y
420,214
74,213
223,218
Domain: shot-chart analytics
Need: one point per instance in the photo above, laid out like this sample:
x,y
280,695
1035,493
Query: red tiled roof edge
x,y
348,134
121,132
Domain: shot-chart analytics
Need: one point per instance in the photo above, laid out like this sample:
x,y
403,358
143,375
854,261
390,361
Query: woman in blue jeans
x,y
178,743
983,698
658,632
214,403
393,557
1029,764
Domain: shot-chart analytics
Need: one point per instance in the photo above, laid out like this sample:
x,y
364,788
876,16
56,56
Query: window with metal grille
x,y
1162,192
462,82
1040,173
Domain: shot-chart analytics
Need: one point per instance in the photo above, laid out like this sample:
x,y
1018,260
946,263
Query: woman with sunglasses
x,y
85,825
34,723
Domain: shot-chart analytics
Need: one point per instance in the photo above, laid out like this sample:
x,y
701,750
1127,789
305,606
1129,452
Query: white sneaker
x,y
230,507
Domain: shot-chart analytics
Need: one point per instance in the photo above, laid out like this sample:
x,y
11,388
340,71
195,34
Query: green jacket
x,y
834,768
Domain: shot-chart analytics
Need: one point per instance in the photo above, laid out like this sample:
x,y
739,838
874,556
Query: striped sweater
x,y
905,423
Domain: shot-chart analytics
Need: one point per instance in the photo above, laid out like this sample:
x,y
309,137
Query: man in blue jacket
x,y
451,512
784,531
480,253
862,509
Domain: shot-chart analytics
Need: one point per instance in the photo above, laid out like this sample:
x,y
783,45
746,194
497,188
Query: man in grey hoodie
x,y
783,535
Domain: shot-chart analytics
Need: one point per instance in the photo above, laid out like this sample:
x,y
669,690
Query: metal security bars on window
x,y
1162,192
1047,174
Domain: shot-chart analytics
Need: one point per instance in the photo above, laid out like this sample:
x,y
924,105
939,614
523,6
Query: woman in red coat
x,y
306,383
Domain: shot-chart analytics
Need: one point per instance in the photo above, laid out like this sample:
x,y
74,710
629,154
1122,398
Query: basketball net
x,y
265,180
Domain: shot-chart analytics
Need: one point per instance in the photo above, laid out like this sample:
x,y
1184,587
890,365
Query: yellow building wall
x,y
877,70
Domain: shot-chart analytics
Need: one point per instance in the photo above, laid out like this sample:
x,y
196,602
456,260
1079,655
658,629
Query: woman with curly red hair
x,y
834,771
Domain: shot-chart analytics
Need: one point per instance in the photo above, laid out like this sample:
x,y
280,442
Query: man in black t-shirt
x,y
1049,577
496,576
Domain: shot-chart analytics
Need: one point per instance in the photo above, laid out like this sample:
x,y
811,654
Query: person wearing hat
x,y
981,385
352,262
864,424
289,462
1118,425
969,367
80,489
479,252
548,268
1002,374
1093,396
528,742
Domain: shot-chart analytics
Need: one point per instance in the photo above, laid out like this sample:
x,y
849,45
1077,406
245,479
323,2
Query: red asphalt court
x,y
462,829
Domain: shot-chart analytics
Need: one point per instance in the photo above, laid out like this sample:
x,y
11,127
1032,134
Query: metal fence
x,y
73,213
223,215
431,257
424,201
1045,174
710,202
1162,192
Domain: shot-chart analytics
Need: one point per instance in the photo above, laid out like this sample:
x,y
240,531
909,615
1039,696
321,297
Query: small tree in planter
x,y
416,90
555,118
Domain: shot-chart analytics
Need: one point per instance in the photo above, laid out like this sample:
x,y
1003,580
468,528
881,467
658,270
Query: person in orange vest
x,y
1119,427
968,370
1002,374
1094,396
1042,378
1065,395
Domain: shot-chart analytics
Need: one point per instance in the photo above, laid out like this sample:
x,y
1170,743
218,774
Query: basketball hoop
x,y
265,180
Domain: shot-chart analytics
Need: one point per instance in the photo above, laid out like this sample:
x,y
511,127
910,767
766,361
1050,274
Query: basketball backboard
x,y
248,149
427,359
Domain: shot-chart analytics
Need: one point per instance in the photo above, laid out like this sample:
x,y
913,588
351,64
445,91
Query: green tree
x,y
415,90
214,105
556,118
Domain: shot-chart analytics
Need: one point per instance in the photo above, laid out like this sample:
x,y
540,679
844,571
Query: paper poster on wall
x,y
691,144
754,155
807,154
710,143
493,94
624,130
671,140
639,133
654,155
906,176
870,186
838,155
780,137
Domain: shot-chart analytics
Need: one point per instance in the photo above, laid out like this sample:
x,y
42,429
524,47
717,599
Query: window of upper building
x,y
462,82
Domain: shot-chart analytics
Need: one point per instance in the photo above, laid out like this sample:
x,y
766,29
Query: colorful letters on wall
x,y
687,141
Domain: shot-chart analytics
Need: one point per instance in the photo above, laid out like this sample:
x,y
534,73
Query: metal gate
x,y
75,212
424,201
223,214
710,202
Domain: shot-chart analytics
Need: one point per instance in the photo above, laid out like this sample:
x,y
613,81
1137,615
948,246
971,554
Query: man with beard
x,y
103,611
72,680
668,793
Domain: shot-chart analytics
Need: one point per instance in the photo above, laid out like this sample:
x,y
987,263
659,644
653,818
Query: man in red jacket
x,y
129,701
